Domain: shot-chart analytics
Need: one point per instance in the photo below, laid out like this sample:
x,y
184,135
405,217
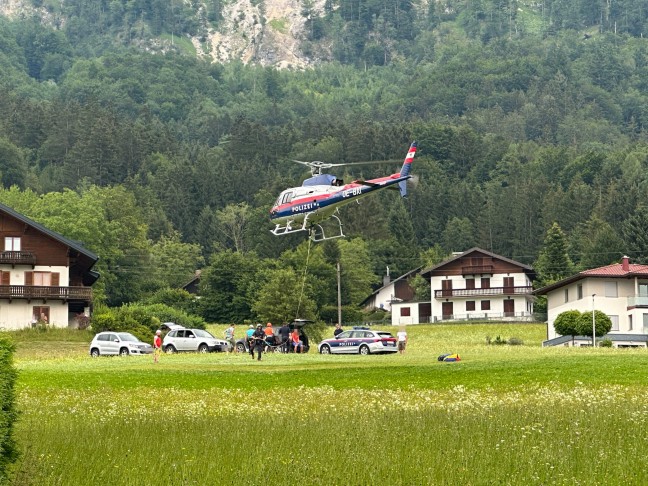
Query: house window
x,y
41,313
485,305
579,291
611,289
42,279
470,305
566,295
643,289
485,283
405,312
470,283
12,243
629,323
615,323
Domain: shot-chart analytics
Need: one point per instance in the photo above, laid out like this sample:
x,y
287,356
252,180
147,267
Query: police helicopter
x,y
320,197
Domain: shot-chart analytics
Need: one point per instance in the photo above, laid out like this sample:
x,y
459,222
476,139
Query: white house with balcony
x,y
620,290
475,284
44,276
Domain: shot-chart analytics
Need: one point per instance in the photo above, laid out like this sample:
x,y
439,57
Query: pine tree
x,y
553,263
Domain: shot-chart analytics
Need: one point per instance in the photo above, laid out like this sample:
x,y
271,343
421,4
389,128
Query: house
x,y
396,290
193,285
475,284
43,275
620,290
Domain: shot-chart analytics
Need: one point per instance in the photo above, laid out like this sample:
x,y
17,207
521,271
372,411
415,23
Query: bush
x,y
141,320
515,341
603,324
176,298
8,412
605,343
566,323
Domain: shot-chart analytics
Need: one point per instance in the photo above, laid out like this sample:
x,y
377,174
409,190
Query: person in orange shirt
x,y
269,336
296,342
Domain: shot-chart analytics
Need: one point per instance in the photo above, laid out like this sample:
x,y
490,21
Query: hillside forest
x,y
529,116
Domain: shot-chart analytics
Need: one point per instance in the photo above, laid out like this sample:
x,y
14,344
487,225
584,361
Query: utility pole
x,y
339,289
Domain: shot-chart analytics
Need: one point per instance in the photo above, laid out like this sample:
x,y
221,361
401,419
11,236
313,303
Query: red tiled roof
x,y
616,270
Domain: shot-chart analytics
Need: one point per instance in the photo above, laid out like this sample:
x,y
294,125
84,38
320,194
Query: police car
x,y
359,340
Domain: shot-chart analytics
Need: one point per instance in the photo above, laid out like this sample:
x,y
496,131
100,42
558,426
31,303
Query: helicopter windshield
x,y
284,197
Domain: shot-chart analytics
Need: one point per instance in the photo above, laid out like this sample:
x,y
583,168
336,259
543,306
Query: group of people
x,y
260,339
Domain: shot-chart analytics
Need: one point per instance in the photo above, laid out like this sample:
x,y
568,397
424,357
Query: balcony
x,y
488,316
476,269
14,258
638,301
33,292
446,293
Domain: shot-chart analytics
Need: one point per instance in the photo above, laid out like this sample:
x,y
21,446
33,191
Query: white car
x,y
359,340
192,340
121,343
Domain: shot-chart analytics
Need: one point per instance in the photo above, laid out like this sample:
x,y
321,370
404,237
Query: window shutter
x,y
56,277
29,278
5,278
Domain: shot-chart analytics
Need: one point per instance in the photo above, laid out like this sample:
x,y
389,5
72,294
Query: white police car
x,y
359,340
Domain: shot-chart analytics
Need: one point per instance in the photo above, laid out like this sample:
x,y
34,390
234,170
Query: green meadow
x,y
502,415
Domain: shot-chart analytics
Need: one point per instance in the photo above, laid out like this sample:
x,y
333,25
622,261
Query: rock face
x,y
266,33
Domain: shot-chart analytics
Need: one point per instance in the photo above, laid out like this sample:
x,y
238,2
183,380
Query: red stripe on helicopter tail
x,y
409,158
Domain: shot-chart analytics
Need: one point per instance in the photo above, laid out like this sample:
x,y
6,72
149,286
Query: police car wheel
x,y
364,350
325,349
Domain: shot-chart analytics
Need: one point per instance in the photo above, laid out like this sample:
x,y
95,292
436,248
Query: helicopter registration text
x,y
355,191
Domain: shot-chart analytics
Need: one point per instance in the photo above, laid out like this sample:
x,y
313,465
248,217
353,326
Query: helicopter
x,y
320,197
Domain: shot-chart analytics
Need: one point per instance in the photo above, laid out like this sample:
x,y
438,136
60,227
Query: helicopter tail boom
x,y
406,169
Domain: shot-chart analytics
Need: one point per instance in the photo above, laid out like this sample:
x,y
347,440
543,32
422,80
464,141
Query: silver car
x,y
121,343
361,341
192,340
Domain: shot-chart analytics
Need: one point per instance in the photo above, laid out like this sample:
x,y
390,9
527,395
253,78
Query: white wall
x,y
413,318
612,306
496,301
18,313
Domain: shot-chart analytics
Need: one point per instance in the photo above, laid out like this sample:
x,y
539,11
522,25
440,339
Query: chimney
x,y
625,264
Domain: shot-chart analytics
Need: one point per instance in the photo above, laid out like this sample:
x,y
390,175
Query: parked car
x,y
121,343
192,340
359,340
242,344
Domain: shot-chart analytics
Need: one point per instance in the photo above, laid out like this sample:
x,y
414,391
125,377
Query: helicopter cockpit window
x,y
287,197
337,182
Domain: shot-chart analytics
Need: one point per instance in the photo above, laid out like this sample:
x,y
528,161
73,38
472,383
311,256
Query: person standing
x,y
338,330
269,336
401,335
258,339
229,337
248,338
157,345
284,334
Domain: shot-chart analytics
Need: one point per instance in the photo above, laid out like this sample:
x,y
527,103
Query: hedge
x,y
8,412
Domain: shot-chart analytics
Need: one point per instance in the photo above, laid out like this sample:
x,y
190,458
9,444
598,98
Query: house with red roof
x,y
620,290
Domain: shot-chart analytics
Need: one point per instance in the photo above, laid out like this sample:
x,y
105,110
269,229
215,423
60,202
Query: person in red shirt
x,y
157,345
296,342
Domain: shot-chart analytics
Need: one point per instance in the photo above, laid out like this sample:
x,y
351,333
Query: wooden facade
x,y
43,275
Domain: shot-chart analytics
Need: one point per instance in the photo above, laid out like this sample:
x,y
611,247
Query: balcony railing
x,y
38,292
473,269
487,316
638,301
18,258
445,293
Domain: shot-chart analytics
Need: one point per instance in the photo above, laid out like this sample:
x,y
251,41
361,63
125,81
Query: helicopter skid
x,y
315,229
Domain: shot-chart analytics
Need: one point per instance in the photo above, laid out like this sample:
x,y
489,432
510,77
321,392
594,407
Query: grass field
x,y
502,415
